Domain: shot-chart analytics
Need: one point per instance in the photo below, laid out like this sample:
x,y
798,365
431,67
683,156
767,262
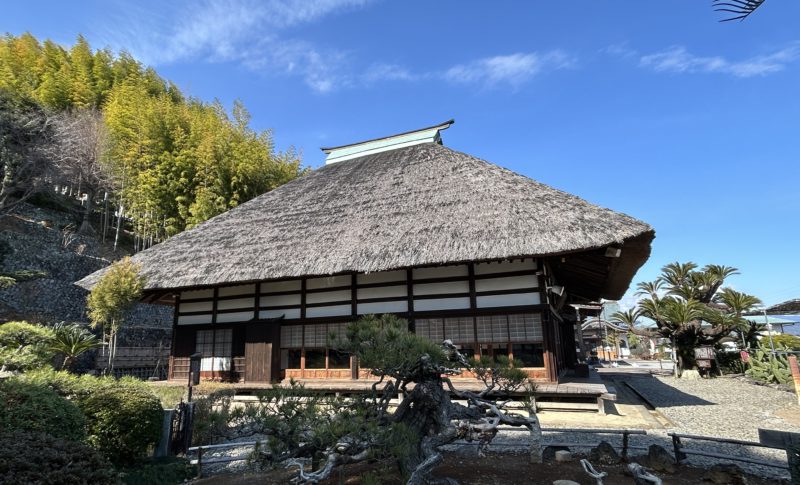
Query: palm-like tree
x,y
71,340
690,307
738,304
739,9
650,288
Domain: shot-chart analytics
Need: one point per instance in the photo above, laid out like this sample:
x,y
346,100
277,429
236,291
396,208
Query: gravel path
x,y
722,407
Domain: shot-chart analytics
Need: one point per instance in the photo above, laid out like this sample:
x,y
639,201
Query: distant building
x,y
463,249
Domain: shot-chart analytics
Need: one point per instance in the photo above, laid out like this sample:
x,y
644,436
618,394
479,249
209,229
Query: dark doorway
x,y
262,352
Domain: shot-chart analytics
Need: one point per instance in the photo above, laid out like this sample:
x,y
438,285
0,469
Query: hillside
x,y
43,239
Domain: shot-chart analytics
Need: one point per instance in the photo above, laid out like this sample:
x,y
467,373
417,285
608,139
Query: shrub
x,y
213,414
730,362
30,407
160,471
27,457
124,421
791,342
76,387
23,346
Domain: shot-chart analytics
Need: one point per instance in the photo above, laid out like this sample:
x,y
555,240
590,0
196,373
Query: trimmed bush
x,y
29,407
160,471
24,346
40,458
76,387
124,422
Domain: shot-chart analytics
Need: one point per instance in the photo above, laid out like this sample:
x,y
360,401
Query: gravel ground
x,y
722,407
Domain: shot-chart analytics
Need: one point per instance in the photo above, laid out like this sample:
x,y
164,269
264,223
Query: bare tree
x,y
79,151
24,167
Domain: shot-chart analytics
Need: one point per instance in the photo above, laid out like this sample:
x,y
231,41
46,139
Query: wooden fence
x,y
135,357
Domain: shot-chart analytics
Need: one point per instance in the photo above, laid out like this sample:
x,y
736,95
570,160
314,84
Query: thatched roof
x,y
419,205
789,307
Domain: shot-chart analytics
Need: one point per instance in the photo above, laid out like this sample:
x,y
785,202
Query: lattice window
x,y
499,328
459,329
484,325
316,335
338,331
525,327
223,343
291,336
205,343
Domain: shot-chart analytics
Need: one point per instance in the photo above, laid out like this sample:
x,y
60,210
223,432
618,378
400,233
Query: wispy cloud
x,y
621,49
256,34
389,72
513,69
262,36
678,59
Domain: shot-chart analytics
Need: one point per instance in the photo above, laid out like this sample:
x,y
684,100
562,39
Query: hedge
x,y
31,457
28,407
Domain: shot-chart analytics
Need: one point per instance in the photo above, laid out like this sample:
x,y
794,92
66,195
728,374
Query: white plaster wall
x,y
383,307
507,283
505,266
193,319
508,300
280,300
438,288
200,306
339,295
187,295
288,285
382,292
440,272
327,282
234,304
290,313
328,311
441,304
381,277
237,290
234,317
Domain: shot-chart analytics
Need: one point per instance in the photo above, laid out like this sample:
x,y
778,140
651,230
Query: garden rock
x,y
659,459
563,456
727,473
604,453
549,453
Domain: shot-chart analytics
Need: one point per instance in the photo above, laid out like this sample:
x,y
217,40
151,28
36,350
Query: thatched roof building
x,y
394,206
420,205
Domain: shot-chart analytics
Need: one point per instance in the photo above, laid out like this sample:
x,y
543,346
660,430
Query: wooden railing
x,y
681,452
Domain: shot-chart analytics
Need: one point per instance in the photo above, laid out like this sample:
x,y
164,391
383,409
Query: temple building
x,y
463,249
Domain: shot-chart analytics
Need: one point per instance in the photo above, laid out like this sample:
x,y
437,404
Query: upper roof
x,y
787,307
391,142
419,205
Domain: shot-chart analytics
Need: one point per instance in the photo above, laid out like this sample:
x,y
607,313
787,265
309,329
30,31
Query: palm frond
x,y
649,288
628,317
739,9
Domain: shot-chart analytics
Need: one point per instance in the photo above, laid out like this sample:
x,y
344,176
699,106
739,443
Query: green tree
x,y
118,289
432,412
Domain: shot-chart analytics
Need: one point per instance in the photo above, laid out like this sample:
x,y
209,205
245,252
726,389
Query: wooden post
x,y
788,441
795,375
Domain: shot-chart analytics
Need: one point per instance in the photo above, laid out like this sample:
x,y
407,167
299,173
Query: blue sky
x,y
650,108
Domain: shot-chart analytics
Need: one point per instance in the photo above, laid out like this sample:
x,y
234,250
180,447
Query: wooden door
x,y
262,352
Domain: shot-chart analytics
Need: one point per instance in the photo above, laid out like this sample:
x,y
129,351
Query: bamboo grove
x,y
127,142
